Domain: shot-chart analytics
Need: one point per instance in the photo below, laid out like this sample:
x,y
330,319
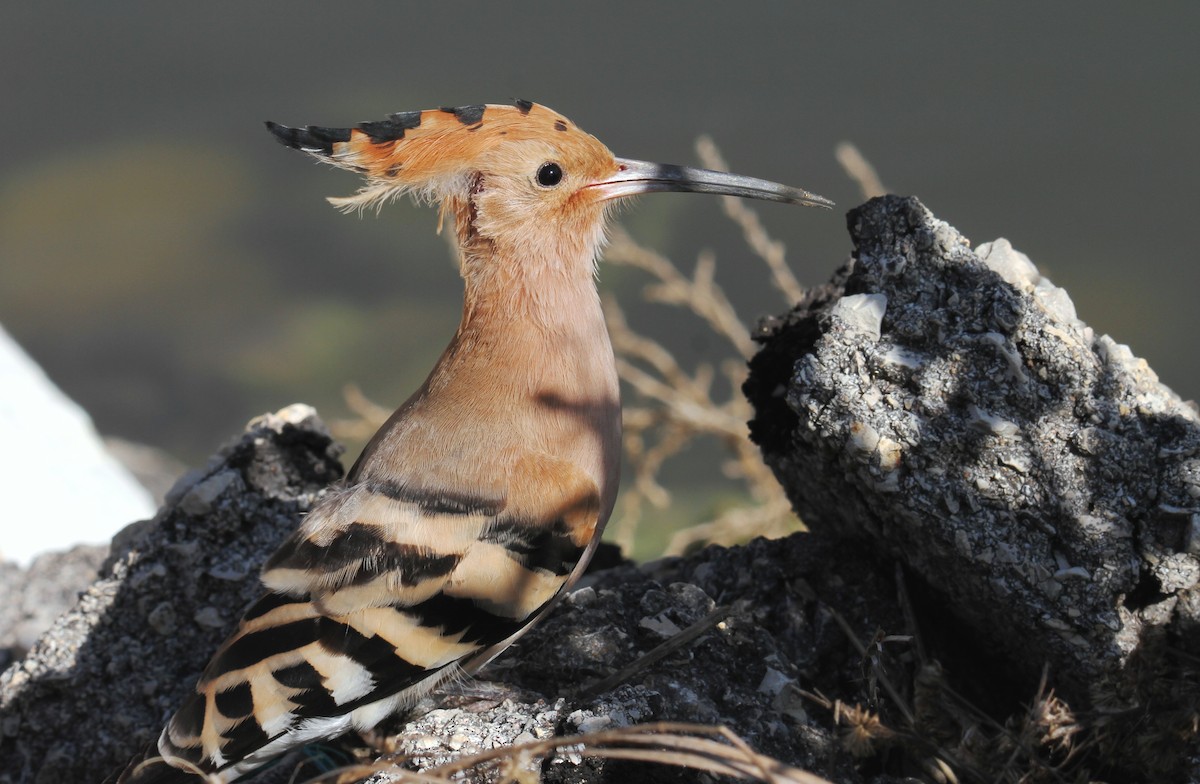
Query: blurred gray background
x,y
176,271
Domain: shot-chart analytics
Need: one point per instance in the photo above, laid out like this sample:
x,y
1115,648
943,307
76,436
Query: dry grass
x,y
713,750
920,719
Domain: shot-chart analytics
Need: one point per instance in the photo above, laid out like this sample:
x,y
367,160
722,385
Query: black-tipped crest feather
x,y
310,138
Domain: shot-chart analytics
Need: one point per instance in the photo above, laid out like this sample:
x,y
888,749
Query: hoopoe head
x,y
521,181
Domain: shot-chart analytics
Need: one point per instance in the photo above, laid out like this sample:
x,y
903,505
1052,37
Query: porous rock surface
x,y
946,406
31,598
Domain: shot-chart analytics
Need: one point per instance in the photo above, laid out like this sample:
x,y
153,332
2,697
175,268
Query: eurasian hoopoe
x,y
483,497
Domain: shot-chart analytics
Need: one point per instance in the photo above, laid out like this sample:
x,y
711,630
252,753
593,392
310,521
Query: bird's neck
x,y
530,370
542,324
536,282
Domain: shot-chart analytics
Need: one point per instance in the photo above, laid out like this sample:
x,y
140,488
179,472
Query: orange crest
x,y
425,153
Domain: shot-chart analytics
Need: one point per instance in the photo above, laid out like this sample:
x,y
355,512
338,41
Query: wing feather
x,y
383,591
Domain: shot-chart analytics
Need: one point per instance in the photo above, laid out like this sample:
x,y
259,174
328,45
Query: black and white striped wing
x,y
377,598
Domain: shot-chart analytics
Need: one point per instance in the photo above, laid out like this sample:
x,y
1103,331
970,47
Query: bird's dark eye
x,y
549,174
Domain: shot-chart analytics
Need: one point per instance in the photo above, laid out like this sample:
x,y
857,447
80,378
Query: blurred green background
x,y
176,271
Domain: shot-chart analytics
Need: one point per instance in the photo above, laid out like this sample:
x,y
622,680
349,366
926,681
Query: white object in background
x,y
60,487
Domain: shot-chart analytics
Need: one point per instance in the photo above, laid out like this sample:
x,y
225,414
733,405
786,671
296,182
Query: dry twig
x,y
368,416
769,250
666,648
859,169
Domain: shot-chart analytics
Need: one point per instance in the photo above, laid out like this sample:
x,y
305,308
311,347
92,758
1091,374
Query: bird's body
x,y
485,493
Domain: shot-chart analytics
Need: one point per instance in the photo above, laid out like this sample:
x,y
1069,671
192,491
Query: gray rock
x,y
31,598
1036,476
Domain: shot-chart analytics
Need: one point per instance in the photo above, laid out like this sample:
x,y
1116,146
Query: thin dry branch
x,y
773,519
859,169
678,409
770,250
699,294
368,416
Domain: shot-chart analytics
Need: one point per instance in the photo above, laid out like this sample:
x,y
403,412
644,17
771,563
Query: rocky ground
x,y
999,584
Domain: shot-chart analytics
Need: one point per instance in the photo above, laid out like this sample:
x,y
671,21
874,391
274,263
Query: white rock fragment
x,y
871,397
998,426
773,682
209,617
297,414
1055,301
862,313
202,496
1120,356
1084,338
1020,463
1016,269
1094,526
1057,624
660,625
890,453
903,357
1009,263
863,439
1012,357
595,724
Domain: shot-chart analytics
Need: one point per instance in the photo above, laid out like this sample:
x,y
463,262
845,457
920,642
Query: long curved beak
x,y
635,177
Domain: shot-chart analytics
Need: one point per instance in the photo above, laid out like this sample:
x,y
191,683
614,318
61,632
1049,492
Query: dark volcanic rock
x,y
946,406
